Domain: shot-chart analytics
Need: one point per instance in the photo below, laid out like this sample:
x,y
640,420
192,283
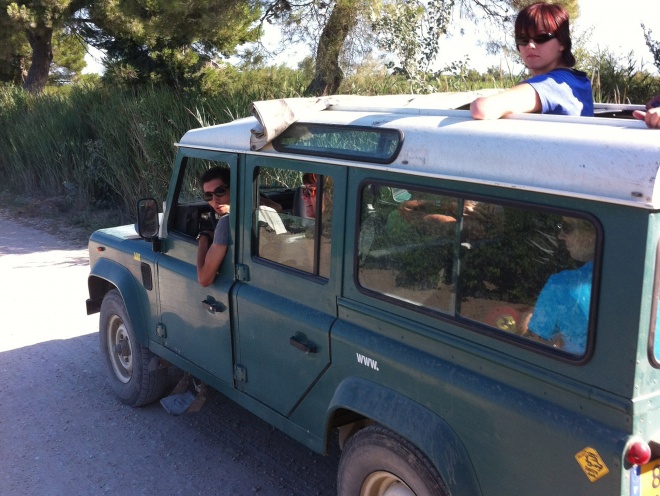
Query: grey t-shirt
x,y
222,234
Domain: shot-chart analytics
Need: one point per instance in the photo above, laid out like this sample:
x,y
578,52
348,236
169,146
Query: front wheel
x,y
127,362
379,462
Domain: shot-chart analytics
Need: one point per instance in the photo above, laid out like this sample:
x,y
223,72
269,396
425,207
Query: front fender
x,y
106,275
416,423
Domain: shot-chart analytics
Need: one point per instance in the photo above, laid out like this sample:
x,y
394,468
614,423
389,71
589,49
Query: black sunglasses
x,y
219,191
539,39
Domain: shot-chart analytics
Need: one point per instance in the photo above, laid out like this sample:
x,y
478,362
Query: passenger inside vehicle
x,y
213,245
561,313
304,202
290,237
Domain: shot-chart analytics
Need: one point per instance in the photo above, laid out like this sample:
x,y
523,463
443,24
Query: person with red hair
x,y
544,41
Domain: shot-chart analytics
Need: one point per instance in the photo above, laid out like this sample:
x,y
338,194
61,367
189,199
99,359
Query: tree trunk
x,y
23,71
327,72
40,40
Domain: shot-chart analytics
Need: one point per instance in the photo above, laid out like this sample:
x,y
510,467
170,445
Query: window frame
x,y
337,152
473,325
316,273
186,157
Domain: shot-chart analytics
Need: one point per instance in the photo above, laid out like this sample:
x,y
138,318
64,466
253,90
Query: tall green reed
x,y
106,147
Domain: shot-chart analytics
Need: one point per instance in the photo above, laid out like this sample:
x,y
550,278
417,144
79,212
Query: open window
x,y
191,214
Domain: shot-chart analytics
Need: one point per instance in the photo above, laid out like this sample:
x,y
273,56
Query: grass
x,y
95,150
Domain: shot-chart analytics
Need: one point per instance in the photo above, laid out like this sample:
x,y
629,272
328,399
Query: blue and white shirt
x,y
564,91
563,308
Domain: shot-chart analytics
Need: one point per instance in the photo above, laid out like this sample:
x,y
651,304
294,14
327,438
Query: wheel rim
x,y
119,349
385,484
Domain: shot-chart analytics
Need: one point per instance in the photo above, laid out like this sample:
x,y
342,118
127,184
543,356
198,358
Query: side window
x,y
191,214
513,269
654,334
293,219
407,246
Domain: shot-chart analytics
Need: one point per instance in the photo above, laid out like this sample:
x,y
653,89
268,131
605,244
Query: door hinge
x,y
242,273
240,374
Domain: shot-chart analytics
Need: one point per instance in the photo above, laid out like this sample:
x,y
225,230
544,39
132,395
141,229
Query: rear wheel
x,y
127,363
379,462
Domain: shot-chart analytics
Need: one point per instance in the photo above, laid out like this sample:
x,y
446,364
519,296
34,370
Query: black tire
x,y
127,363
376,461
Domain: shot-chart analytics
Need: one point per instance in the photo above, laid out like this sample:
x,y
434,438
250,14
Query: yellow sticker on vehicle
x,y
136,256
592,464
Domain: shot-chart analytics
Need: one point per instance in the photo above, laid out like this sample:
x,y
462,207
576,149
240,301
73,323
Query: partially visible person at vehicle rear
x,y
543,39
652,115
213,246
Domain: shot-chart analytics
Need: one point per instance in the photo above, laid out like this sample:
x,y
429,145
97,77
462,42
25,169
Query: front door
x,y
195,320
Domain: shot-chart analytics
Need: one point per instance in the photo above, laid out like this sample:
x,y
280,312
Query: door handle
x,y
300,343
213,306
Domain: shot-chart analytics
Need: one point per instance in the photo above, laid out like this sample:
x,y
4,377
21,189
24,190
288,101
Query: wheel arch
x,y
419,425
107,275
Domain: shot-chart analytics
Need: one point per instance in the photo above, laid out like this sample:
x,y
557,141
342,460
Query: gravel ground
x,y
62,431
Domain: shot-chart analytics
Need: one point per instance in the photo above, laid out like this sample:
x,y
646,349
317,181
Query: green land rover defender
x,y
472,305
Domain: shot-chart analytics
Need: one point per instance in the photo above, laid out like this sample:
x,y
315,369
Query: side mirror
x,y
148,223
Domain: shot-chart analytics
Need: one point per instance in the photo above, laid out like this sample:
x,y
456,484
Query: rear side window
x,y
293,219
513,270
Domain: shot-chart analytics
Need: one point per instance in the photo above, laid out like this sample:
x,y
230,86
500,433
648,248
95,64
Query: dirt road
x,y
62,431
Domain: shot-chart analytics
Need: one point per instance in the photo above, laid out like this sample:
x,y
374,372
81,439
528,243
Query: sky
x,y
615,25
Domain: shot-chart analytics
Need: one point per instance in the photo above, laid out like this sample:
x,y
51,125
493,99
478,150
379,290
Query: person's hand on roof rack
x,y
652,114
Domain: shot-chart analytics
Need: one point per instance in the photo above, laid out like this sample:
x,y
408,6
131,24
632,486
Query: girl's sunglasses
x,y
539,39
219,191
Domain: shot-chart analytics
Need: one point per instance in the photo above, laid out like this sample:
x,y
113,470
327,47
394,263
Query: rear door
x,y
286,301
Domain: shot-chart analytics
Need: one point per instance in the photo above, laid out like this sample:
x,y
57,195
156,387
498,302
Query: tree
x,y
410,31
68,54
328,74
332,28
654,46
68,57
36,22
170,41
14,53
161,35
167,41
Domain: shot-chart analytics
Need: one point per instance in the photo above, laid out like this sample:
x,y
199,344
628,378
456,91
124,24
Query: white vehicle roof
x,y
608,159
